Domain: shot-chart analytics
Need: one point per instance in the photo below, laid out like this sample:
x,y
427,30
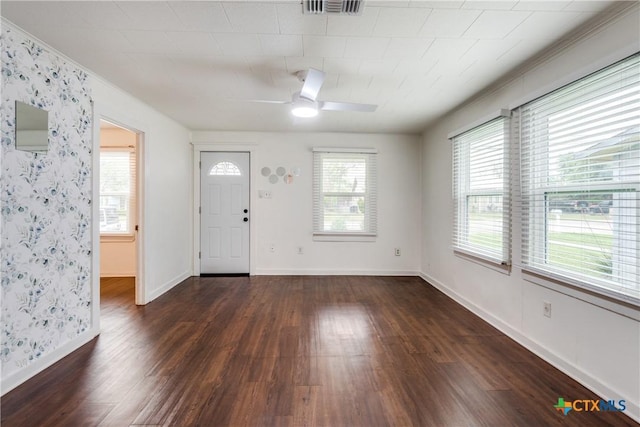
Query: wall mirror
x,y
32,128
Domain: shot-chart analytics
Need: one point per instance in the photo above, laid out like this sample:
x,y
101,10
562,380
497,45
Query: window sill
x,y
343,237
493,264
618,305
117,238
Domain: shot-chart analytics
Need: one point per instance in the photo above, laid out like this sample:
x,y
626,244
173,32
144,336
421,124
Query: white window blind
x,y
481,191
580,176
117,190
344,192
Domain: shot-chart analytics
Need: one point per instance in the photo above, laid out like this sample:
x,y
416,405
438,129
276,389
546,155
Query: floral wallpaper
x,y
46,206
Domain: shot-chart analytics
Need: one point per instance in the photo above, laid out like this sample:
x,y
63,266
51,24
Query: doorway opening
x,y
119,212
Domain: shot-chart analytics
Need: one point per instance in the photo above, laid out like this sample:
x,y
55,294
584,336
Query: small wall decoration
x,y
280,172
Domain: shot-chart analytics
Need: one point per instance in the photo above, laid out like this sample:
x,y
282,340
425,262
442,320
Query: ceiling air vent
x,y
343,7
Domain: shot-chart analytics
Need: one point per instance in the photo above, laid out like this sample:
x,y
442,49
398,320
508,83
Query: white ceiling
x,y
201,62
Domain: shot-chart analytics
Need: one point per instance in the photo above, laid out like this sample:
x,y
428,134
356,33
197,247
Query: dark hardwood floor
x,y
297,351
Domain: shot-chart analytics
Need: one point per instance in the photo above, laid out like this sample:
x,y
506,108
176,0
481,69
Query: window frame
x,y
537,185
225,168
369,234
128,235
462,141
602,186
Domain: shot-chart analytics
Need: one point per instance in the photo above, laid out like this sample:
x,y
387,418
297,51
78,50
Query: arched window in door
x,y
225,169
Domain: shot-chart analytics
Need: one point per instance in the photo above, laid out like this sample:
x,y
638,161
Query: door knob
x,y
246,219
246,210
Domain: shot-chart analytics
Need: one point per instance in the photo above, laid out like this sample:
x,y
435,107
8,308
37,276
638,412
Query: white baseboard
x,y
108,275
14,380
324,272
168,285
584,378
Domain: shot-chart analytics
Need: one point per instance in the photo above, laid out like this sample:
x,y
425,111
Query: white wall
x,y
118,258
166,197
593,339
285,220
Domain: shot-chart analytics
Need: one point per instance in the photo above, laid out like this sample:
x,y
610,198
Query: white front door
x,y
224,216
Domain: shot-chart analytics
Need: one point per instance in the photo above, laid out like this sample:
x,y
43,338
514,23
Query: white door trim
x,y
253,162
115,116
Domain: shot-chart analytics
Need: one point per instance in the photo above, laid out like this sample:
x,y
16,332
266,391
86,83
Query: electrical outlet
x,y
272,248
546,308
397,251
300,250
264,194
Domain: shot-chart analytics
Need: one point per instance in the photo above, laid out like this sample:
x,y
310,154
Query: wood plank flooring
x,y
297,351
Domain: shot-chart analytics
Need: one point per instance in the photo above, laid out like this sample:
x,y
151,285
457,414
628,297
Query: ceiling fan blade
x,y
266,101
347,106
312,84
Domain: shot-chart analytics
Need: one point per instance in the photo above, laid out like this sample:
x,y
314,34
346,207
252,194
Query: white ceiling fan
x,y
305,103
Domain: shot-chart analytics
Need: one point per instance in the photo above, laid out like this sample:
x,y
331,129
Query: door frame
x,y
199,147
120,118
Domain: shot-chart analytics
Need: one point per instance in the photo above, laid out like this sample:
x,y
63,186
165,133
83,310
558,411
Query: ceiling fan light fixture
x,y
304,111
303,107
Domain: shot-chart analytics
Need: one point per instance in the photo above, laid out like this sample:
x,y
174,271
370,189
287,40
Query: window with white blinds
x,y
117,191
344,193
580,177
481,191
